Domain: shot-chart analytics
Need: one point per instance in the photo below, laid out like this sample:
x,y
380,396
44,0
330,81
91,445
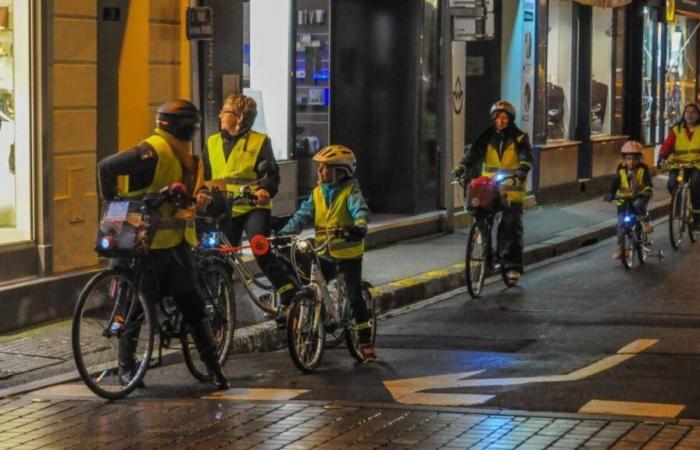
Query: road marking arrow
x,y
256,394
408,391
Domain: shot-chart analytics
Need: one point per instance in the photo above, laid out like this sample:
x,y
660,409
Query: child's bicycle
x,y
680,217
636,246
485,203
316,311
120,311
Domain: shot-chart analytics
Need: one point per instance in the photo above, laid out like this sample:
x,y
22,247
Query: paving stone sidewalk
x,y
33,423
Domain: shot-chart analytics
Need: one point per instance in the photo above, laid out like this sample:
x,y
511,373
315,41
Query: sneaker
x,y
217,378
617,254
513,276
125,377
282,315
368,354
117,324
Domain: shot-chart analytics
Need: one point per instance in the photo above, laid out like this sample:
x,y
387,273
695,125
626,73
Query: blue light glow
x,y
500,177
105,243
211,241
627,219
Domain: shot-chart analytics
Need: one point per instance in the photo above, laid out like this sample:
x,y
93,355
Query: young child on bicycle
x,y
632,183
337,203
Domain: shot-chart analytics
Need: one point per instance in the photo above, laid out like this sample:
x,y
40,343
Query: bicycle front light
x,y
211,240
627,219
499,177
107,243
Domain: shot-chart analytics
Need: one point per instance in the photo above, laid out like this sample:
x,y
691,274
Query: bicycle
x,y
636,243
122,304
316,310
680,216
486,208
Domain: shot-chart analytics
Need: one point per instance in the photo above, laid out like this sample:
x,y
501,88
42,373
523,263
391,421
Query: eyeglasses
x,y
227,111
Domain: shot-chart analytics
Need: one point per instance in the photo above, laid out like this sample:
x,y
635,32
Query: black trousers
x,y
510,236
351,271
694,176
257,222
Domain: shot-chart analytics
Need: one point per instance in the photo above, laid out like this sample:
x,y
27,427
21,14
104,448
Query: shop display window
x,y
15,195
601,71
681,74
559,79
648,71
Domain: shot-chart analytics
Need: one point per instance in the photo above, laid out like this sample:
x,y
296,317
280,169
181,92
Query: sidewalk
x,y
401,273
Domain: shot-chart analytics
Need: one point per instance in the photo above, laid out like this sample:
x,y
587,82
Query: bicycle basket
x,y
484,194
125,230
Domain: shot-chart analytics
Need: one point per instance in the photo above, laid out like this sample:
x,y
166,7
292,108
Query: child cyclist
x,y
337,203
632,183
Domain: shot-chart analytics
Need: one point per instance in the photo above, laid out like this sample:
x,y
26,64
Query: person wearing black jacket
x,y
162,159
503,149
232,160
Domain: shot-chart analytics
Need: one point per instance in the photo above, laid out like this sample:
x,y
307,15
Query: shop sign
x,y
200,23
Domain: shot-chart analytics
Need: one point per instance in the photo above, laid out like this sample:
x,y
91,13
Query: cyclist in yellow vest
x,y
231,161
504,149
160,160
632,183
337,203
683,144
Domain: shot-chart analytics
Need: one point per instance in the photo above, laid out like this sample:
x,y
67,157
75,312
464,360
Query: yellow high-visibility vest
x,y
686,149
335,215
507,165
626,190
239,169
170,229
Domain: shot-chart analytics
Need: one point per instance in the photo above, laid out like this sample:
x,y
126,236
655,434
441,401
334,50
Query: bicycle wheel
x,y
641,244
336,335
219,300
676,219
98,335
475,261
627,250
351,335
688,216
305,333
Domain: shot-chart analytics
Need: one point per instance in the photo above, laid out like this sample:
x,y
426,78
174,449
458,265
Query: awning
x,y
605,3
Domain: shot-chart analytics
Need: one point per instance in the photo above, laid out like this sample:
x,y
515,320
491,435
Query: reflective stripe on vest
x,y
507,166
335,216
239,169
626,190
686,149
169,229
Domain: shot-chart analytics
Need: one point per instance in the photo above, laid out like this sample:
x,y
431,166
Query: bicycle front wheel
x,y
219,302
628,250
305,333
475,260
642,245
688,216
676,220
351,335
112,334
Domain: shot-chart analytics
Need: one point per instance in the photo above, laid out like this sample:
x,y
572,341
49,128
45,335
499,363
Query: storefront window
x,y
648,66
266,67
680,68
15,198
601,70
559,54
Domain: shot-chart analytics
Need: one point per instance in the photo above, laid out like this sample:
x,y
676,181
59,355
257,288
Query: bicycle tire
x,y
640,244
305,334
94,342
627,250
219,299
351,337
688,217
675,219
475,268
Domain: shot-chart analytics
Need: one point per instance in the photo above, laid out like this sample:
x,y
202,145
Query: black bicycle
x,y
485,204
681,217
120,308
635,246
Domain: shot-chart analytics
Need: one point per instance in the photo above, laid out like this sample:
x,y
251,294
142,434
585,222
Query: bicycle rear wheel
x,y
351,335
219,301
475,260
305,333
688,216
676,218
110,318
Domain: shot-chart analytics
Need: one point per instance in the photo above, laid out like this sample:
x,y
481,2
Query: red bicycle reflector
x,y
260,245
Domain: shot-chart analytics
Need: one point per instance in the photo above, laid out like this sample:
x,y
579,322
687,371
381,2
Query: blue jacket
x,y
357,206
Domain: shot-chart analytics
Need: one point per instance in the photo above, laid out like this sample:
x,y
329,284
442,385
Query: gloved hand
x,y
263,197
660,162
355,232
521,175
608,197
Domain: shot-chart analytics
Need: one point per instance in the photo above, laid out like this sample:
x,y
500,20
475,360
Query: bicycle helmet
x,y
632,148
337,156
179,118
503,106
